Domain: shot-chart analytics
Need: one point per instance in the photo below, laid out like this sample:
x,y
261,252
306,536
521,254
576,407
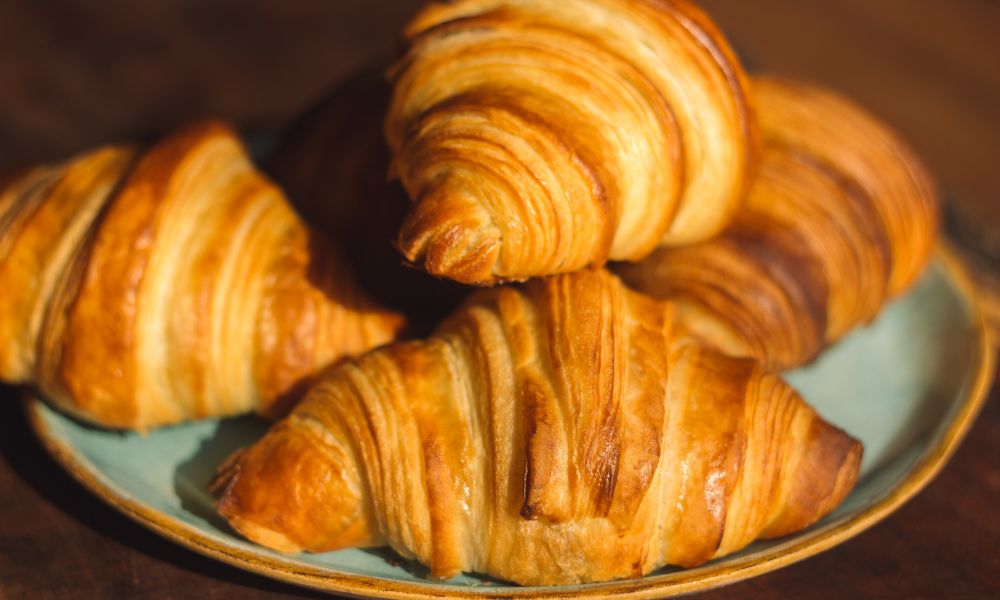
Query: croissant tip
x,y
465,253
225,476
826,474
229,505
850,469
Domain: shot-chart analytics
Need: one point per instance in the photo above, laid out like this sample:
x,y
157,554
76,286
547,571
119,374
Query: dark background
x,y
75,73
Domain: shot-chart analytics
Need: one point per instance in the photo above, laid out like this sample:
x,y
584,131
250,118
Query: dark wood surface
x,y
77,73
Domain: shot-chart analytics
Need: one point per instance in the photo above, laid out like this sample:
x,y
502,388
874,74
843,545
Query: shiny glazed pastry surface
x,y
841,217
147,288
540,136
559,432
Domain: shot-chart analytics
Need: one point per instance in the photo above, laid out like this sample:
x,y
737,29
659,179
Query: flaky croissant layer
x,y
559,432
540,136
841,217
147,288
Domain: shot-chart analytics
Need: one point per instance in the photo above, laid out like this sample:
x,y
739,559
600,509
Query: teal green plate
x,y
908,386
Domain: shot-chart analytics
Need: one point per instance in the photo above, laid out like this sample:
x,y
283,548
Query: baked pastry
x,y
333,164
142,289
540,136
560,432
841,217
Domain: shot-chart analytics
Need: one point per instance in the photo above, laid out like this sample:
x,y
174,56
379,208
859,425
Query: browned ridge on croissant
x,y
146,288
553,433
540,136
841,217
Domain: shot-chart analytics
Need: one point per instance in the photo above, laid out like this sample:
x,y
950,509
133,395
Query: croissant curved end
x,y
825,473
225,481
451,235
313,499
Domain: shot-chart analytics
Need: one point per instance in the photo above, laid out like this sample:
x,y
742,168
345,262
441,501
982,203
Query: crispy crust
x,y
180,284
554,433
841,217
541,137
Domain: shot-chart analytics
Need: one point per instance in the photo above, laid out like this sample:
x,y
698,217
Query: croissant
x,y
841,217
147,288
560,432
540,136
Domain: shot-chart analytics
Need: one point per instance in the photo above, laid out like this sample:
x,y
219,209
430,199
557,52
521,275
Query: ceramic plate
x,y
908,386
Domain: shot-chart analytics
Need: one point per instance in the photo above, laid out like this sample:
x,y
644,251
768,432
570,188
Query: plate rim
x,y
930,462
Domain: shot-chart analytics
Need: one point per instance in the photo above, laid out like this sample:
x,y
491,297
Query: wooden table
x,y
76,73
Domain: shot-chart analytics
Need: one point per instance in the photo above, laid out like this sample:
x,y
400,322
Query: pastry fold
x,y
564,431
148,288
841,217
541,136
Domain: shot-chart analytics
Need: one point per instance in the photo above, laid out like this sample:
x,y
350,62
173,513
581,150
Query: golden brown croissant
x,y
841,217
142,289
553,433
540,136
